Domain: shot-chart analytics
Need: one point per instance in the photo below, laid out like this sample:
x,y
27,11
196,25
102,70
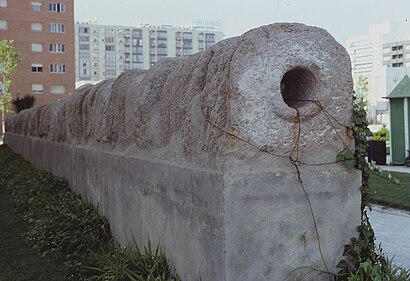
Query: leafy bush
x,y
366,262
64,229
130,264
26,102
381,135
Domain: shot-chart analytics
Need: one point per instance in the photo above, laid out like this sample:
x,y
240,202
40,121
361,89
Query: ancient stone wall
x,y
226,157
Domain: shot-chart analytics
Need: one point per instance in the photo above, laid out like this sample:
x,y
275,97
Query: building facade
x,y
105,51
43,34
396,54
380,57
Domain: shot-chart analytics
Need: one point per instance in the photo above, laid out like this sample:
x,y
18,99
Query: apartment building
x,y
43,34
377,56
105,51
396,54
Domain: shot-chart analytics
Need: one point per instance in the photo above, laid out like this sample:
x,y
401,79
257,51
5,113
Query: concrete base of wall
x,y
248,224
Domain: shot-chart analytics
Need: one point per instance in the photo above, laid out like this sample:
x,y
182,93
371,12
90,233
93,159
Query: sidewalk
x,y
392,229
400,169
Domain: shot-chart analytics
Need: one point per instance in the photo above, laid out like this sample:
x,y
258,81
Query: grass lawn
x,y
386,193
18,261
61,228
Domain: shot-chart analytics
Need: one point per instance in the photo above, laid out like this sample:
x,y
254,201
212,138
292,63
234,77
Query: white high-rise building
x,y
105,51
369,55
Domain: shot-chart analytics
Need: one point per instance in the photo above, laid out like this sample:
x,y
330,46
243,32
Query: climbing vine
x,y
363,259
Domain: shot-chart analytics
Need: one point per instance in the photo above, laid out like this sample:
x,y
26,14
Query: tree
x,y
8,63
362,92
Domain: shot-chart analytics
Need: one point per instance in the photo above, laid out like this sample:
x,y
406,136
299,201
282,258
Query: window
x,y
110,63
399,64
57,89
36,6
187,52
37,68
161,43
84,39
3,25
210,37
57,68
36,47
84,54
57,27
162,34
397,48
37,89
162,51
397,56
110,72
187,45
137,33
110,48
84,47
3,4
56,7
37,27
187,36
57,48
83,30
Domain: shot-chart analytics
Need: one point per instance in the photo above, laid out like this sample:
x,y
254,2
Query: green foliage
x,y
6,98
387,193
64,229
26,102
348,157
381,135
366,262
363,261
8,63
362,92
130,264
8,58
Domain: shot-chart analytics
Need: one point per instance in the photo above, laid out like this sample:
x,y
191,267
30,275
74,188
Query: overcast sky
x,y
342,18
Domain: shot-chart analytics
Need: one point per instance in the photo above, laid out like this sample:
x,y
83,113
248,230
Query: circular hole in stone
x,y
296,86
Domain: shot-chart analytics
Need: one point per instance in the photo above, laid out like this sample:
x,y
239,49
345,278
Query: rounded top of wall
x,y
272,89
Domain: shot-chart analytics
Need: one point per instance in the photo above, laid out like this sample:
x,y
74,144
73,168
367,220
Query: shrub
x,y
26,102
381,135
64,229
130,264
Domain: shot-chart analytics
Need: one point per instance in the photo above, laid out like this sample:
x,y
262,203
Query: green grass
x,y
63,230
18,261
386,193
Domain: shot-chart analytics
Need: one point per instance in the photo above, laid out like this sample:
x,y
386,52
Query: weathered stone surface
x,y
216,155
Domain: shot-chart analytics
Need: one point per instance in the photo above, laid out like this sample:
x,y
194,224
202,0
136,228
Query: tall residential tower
x,y
105,51
43,34
380,57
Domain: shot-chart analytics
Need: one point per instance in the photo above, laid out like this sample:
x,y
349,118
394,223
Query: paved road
x,y
392,229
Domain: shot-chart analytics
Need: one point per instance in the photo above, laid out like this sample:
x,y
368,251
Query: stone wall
x,y
226,157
